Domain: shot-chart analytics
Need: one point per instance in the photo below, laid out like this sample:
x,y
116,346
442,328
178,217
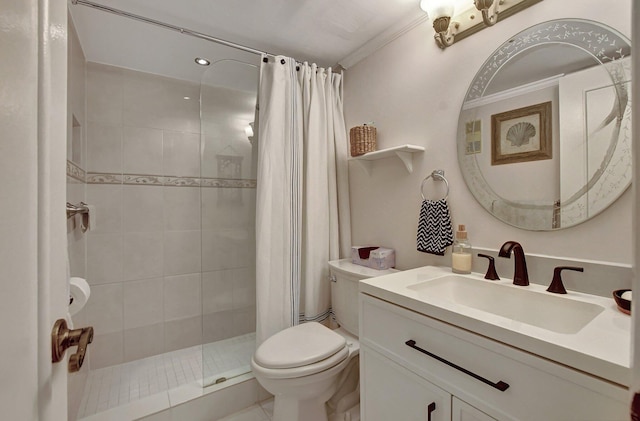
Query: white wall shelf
x,y
403,152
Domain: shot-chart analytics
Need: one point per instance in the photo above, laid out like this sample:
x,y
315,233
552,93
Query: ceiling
x,y
326,32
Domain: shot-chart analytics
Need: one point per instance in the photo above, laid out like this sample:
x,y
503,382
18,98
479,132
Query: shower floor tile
x,y
122,384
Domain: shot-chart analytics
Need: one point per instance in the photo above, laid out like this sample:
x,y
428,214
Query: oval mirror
x,y
544,134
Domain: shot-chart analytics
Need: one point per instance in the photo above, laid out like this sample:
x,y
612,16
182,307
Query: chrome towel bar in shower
x,y
73,210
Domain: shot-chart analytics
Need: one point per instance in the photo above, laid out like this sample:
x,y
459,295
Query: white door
x,y
33,83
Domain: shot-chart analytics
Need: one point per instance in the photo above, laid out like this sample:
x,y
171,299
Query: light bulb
x,y
202,61
248,130
437,8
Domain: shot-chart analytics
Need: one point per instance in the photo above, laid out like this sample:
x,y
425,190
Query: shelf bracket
x,y
403,152
365,165
407,160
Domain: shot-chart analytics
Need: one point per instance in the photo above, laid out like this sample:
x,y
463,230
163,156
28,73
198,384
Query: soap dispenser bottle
x,y
461,256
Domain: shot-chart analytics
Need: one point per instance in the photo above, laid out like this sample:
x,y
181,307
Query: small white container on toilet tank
x,y
380,258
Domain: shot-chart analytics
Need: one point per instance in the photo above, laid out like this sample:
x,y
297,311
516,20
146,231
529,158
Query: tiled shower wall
x,y
170,254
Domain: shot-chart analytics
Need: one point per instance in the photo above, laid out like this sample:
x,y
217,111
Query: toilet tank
x,y
345,277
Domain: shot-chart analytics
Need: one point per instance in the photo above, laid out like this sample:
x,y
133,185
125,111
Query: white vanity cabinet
x,y
391,392
462,411
409,361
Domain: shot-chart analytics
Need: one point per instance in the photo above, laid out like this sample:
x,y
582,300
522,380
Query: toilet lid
x,y
298,346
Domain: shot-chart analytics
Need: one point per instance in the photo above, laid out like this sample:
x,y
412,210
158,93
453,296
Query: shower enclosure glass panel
x,y
170,256
228,185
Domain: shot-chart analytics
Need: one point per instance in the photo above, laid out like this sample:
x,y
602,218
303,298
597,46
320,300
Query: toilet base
x,y
313,409
305,398
352,414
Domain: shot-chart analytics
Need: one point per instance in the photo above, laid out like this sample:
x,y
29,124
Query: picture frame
x,y
473,137
522,135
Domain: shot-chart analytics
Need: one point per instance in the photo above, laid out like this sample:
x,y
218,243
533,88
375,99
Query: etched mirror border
x,y
613,178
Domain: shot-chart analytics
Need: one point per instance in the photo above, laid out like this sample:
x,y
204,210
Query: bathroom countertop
x,y
601,348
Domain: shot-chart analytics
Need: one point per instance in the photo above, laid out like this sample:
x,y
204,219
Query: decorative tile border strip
x,y
151,180
228,183
104,178
182,182
76,172
158,180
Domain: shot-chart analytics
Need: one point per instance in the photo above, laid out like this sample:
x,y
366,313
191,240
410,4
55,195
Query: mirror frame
x,y
593,38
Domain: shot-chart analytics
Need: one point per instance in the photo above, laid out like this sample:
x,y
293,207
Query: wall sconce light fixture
x,y
248,130
441,12
489,10
454,20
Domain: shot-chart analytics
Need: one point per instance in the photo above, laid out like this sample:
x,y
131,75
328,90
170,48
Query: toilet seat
x,y
300,350
335,360
299,346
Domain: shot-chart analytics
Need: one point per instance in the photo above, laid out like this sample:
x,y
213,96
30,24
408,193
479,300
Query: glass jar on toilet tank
x,y
461,255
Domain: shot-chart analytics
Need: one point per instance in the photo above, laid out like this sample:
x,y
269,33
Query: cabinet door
x,y
391,392
462,411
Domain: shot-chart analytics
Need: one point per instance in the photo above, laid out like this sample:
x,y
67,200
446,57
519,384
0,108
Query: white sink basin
x,y
541,309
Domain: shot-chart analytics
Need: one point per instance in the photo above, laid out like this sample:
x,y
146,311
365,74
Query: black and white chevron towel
x,y
434,227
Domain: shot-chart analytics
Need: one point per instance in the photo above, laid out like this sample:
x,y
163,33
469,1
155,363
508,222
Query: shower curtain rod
x,y
169,26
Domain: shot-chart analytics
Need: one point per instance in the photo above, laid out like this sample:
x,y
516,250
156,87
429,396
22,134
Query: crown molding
x,y
392,33
514,92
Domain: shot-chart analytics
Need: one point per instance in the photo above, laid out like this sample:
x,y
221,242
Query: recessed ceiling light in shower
x,y
202,61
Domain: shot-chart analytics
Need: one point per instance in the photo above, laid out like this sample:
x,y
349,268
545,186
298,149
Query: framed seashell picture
x,y
522,135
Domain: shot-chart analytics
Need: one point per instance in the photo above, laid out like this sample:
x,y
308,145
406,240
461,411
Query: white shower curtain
x,y
302,207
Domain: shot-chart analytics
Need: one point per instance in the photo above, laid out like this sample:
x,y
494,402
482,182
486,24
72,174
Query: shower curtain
x,y
302,207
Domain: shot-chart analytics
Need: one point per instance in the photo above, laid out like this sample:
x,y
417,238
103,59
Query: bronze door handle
x,y
62,338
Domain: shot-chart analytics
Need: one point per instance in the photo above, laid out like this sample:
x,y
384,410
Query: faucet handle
x,y
557,286
491,270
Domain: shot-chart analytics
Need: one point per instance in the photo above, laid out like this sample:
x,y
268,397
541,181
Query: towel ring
x,y
436,175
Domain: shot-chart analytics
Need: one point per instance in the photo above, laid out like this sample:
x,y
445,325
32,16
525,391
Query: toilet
x,y
305,365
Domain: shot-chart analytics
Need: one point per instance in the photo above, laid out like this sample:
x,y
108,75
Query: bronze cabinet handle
x,y
430,409
500,385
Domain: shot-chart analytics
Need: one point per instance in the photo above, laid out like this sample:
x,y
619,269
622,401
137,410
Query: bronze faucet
x,y
520,275
557,286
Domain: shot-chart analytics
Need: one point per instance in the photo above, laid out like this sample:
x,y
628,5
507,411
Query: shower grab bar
x,y
73,210
436,175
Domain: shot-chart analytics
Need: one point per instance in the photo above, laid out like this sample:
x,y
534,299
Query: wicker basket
x,y
363,139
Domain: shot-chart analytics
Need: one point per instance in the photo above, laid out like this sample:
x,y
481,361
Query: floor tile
x,y
115,386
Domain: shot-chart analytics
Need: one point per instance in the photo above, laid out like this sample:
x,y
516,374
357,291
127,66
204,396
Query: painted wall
x,y
413,91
